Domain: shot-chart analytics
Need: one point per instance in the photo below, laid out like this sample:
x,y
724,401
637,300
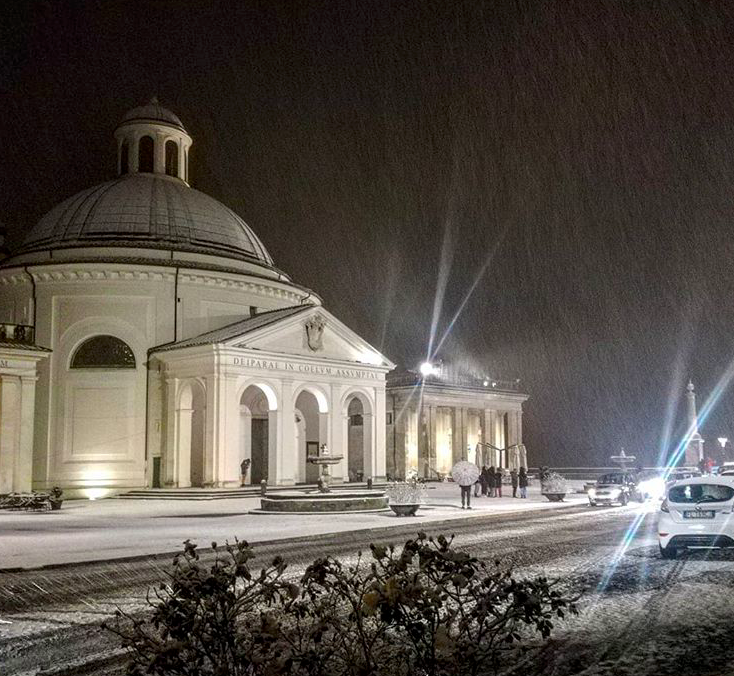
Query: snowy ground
x,y
101,530
639,614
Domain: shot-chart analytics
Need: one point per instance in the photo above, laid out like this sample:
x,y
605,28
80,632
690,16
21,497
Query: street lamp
x,y
722,441
427,369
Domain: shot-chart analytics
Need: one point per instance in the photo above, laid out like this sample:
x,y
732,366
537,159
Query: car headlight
x,y
592,492
615,492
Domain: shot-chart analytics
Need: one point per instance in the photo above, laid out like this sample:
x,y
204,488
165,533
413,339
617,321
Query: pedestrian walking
x,y
522,480
490,481
465,474
498,482
485,480
478,486
514,482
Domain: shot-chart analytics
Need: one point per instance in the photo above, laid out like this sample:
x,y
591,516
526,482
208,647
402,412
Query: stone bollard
x,y
369,482
263,487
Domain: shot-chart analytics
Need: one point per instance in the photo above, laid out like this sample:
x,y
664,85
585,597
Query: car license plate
x,y
699,514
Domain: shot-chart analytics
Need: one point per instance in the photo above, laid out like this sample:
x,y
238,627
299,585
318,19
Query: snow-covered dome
x,y
152,112
150,205
148,210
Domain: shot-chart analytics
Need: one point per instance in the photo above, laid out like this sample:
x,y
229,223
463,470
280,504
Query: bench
x,y
37,502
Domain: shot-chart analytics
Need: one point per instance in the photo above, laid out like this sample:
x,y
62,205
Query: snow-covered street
x,y
642,615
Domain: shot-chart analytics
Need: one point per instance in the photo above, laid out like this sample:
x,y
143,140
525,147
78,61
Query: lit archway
x,y
311,432
258,410
358,416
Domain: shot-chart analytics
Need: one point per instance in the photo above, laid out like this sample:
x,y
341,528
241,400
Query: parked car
x,y
615,487
725,467
681,473
697,512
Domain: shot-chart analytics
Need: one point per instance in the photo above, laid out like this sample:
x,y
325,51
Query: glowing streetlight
x,y
722,441
427,369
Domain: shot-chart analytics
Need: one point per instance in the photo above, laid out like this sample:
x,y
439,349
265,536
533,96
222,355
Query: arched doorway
x,y
191,427
256,427
358,413
311,432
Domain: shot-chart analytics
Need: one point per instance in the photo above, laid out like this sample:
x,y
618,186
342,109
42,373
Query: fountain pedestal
x,y
325,460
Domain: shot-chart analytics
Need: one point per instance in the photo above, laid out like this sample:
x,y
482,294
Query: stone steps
x,y
227,493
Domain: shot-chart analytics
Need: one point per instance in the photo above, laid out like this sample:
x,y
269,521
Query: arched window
x,y
124,160
103,352
145,154
171,158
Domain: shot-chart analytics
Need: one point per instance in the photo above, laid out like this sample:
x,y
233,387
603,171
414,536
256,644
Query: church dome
x,y
147,210
150,205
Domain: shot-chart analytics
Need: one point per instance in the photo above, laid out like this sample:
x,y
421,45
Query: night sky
x,y
571,160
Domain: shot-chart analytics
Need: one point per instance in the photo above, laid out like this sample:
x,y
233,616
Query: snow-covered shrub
x,y
405,492
553,483
424,608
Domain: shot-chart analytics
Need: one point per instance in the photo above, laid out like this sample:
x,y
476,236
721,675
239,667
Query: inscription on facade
x,y
3,363
277,365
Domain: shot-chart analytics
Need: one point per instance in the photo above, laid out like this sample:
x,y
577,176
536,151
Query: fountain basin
x,y
323,503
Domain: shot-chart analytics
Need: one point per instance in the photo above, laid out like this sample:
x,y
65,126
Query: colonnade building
x,y
172,347
437,418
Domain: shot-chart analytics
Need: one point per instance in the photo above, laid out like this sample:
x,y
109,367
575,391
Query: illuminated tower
x,y
694,449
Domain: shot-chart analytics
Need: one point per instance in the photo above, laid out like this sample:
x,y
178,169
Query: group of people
x,y
490,484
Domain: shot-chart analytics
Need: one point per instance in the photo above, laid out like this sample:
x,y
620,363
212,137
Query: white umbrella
x,y
465,473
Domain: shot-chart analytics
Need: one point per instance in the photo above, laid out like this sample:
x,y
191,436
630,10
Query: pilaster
x,y
379,430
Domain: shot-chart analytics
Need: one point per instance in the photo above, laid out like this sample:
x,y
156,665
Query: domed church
x,y
147,339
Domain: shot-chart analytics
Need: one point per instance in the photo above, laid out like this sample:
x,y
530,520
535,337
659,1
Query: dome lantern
x,y
152,140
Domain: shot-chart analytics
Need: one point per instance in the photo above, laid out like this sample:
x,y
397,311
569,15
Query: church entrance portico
x,y
272,408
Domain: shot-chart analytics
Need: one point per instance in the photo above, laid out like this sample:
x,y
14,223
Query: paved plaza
x,y
103,530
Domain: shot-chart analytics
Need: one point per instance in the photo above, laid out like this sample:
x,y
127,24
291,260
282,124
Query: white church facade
x,y
149,340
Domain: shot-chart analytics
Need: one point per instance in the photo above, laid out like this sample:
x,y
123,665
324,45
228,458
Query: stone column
x,y
463,435
213,423
282,451
378,432
228,437
24,466
430,441
518,425
159,154
338,433
183,447
10,417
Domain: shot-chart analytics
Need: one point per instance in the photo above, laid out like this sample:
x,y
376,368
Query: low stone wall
x,y
324,503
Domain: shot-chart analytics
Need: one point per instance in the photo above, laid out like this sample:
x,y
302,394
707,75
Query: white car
x,y
696,512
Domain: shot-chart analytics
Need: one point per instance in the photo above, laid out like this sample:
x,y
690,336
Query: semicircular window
x,y
103,352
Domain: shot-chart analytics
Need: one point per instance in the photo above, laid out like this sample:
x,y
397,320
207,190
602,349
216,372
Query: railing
x,y
409,379
589,473
17,333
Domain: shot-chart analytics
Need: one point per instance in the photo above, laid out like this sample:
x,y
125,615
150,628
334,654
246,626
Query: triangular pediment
x,y
313,332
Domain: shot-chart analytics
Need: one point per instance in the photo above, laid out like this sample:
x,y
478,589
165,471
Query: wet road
x,y
639,614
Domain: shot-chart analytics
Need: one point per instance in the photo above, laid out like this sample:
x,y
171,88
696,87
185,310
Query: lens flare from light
x,y
680,449
427,369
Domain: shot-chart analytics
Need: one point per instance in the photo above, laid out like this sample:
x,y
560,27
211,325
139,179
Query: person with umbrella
x,y
465,474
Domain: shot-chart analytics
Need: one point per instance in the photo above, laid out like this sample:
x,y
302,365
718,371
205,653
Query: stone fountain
x,y
325,460
324,499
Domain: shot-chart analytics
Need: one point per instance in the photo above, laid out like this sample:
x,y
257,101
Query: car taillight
x,y
664,506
